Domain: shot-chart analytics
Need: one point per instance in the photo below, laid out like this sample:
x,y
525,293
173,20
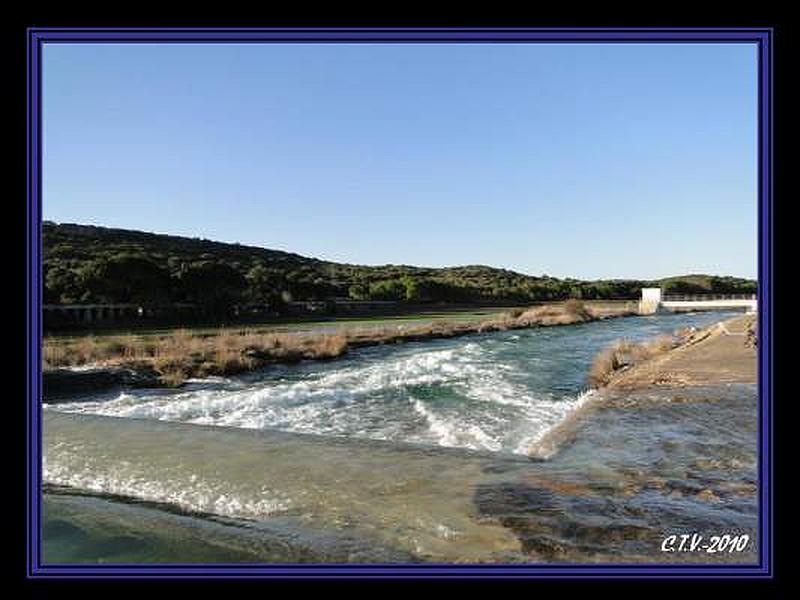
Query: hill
x,y
86,264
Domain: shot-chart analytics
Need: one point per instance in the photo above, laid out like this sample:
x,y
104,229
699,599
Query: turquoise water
x,y
498,392
403,453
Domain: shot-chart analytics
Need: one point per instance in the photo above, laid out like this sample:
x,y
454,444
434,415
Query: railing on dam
x,y
653,300
706,297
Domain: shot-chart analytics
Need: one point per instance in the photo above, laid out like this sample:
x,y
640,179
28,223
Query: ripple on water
x,y
495,392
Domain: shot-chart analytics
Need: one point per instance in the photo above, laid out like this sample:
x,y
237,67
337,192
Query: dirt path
x,y
721,353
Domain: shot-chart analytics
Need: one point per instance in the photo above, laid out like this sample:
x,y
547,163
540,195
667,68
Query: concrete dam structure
x,y
653,300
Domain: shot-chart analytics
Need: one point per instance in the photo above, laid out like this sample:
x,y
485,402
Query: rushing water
x,y
409,452
498,392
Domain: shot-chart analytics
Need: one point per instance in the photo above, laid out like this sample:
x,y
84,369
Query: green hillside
x,y
87,264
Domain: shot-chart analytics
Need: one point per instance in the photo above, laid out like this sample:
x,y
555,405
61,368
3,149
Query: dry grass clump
x,y
642,351
91,350
603,310
501,323
446,325
171,371
751,334
623,354
577,309
232,352
179,343
604,365
182,354
54,354
87,350
571,311
327,346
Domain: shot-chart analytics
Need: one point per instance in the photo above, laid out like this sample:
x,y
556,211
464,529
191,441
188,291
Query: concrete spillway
x,y
653,300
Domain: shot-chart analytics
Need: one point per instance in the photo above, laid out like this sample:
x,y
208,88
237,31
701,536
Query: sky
x,y
572,160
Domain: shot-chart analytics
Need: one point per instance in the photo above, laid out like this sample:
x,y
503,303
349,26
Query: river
x,y
406,453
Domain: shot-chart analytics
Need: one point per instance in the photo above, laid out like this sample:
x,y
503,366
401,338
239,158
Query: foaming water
x,y
645,466
499,392
416,499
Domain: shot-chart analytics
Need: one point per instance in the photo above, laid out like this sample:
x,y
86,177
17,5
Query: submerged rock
x,y
61,385
707,495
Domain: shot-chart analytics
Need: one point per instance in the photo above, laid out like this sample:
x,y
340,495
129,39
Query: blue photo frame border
x,y
761,37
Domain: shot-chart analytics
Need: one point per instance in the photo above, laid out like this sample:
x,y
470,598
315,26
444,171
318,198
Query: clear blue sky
x,y
589,161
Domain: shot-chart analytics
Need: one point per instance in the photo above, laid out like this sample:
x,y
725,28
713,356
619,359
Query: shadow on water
x,y
604,498
81,528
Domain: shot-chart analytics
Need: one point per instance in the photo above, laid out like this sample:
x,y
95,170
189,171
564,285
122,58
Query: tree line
x,y
87,264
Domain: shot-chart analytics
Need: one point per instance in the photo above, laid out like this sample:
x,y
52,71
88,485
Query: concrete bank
x,y
719,354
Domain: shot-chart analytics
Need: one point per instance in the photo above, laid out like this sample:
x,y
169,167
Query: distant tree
x,y
61,285
732,285
358,291
413,291
264,285
124,278
387,289
683,287
215,287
